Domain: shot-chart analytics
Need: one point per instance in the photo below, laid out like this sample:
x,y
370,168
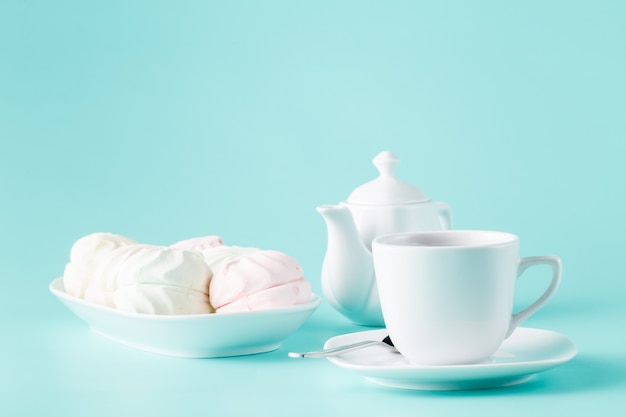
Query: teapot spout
x,y
348,279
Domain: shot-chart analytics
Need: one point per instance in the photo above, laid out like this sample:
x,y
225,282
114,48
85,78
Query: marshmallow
x,y
118,272
199,243
154,266
86,253
161,299
193,276
289,294
247,279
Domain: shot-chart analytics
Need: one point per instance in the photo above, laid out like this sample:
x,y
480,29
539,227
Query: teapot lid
x,y
386,189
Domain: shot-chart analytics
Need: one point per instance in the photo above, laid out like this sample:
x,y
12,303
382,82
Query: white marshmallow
x,y
161,299
120,273
193,276
86,253
199,243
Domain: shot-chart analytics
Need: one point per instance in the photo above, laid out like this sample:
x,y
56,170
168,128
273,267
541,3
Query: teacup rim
x,y
490,239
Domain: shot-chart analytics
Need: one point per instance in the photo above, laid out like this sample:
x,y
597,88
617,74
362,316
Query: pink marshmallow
x,y
258,279
289,294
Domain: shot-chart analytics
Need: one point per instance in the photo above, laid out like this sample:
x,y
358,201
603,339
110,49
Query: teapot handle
x,y
445,215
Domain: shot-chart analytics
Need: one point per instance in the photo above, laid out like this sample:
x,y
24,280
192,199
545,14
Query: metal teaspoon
x,y
386,343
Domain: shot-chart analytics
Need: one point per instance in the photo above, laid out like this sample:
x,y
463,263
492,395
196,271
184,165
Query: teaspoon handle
x,y
339,349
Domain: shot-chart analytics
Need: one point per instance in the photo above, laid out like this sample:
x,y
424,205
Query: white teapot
x,y
382,206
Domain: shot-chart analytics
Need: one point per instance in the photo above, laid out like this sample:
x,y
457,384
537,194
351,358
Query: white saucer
x,y
527,352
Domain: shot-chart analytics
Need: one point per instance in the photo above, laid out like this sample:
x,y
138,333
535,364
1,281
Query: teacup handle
x,y
555,263
445,215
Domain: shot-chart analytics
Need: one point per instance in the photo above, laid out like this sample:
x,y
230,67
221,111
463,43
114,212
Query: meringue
x,y
145,267
247,279
86,253
194,276
161,299
199,243
117,272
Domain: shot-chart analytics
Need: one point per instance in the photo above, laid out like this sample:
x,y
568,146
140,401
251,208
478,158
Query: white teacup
x,y
447,296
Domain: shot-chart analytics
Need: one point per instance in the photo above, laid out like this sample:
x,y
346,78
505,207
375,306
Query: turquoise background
x,y
164,120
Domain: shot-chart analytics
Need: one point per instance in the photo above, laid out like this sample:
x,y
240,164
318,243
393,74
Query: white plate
x,y
192,336
527,352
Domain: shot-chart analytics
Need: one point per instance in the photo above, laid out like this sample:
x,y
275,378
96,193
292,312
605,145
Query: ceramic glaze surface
x,y
382,206
447,296
527,352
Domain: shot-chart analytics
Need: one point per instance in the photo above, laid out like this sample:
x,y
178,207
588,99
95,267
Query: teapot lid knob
x,y
386,163
386,189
